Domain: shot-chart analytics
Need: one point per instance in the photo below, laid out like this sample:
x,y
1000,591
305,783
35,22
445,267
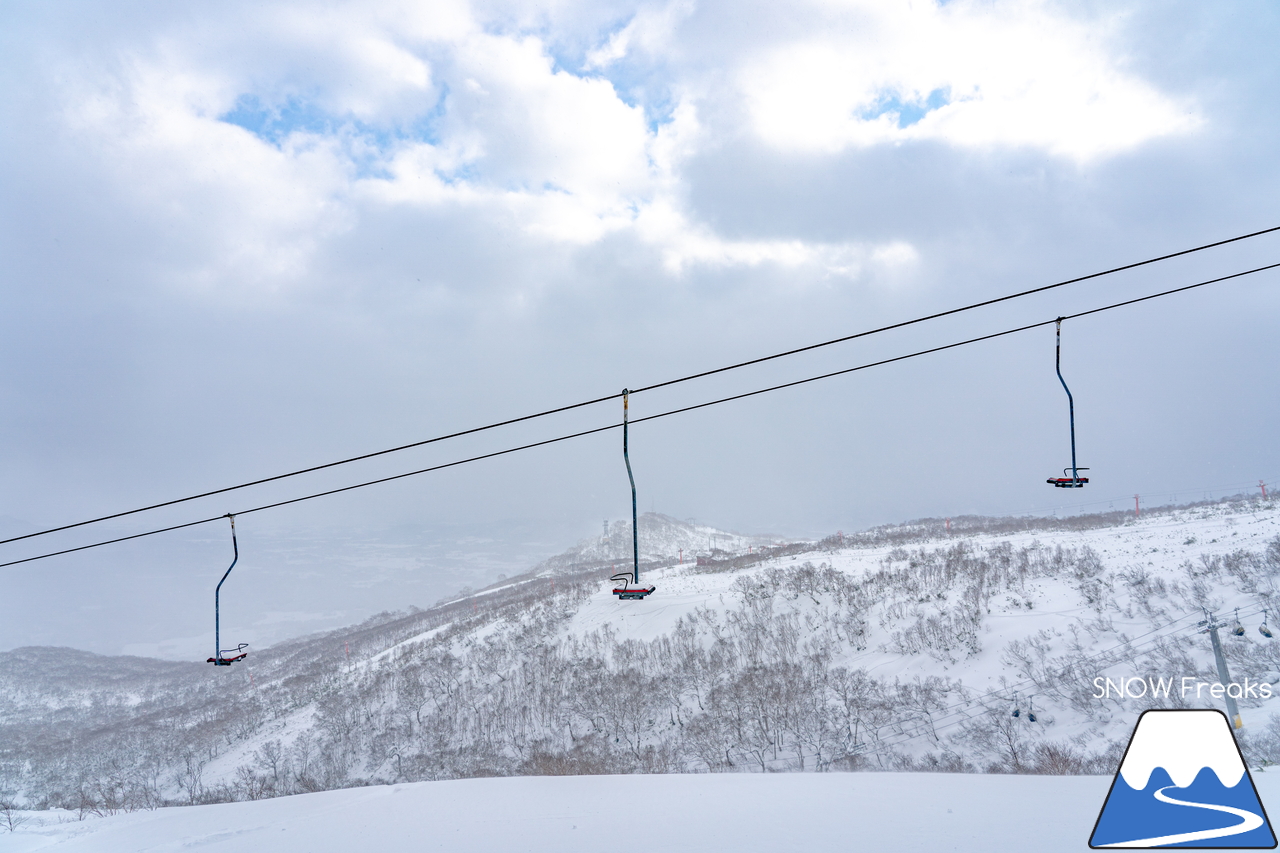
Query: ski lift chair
x,y
1065,482
627,592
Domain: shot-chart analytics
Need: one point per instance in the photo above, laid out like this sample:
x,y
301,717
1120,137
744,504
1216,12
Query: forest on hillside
x,y
770,676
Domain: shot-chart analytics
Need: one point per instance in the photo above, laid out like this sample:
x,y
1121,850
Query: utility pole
x,y
1137,510
1211,627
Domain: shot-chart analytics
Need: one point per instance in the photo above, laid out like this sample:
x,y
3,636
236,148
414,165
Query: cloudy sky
x,y
244,238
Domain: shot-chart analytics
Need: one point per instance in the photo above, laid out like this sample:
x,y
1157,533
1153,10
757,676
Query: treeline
x,y
930,530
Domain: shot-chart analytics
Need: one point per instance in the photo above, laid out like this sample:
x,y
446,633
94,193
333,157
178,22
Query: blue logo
x,y
1183,783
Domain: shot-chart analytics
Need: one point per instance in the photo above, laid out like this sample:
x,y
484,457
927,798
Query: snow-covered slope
x,y
904,647
905,813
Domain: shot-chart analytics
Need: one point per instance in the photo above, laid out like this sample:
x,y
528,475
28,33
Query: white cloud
x,y
229,207
1010,73
684,244
564,158
520,142
547,128
650,30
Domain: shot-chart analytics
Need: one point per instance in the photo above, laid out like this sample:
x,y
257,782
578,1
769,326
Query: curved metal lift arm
x,y
636,592
218,659
1076,480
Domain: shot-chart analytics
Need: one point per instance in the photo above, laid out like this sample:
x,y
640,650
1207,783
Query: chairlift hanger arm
x,y
239,653
1076,481
627,591
1071,402
635,526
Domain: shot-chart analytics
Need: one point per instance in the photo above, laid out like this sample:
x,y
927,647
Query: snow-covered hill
x,y
904,647
663,541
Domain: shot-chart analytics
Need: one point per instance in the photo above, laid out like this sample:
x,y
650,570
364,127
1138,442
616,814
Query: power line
x,y
666,414
669,382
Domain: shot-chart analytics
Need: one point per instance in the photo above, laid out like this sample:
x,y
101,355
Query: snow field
x,y
897,812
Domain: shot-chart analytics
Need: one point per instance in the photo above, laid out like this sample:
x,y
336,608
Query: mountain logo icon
x,y
1182,783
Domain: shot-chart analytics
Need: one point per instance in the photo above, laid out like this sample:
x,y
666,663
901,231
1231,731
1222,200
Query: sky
x,y
248,238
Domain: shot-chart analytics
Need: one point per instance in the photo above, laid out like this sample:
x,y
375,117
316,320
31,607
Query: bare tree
x,y
10,815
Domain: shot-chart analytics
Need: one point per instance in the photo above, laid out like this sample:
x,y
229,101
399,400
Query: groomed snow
x,y
899,812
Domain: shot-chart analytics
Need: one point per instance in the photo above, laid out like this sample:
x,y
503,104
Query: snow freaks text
x,y
1188,686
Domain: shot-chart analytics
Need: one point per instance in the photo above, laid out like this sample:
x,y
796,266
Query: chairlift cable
x,y
1002,693
607,427
311,469
313,496
664,384
948,346
948,313
997,694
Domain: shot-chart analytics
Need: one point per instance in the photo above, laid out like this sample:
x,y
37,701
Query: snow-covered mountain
x,y
663,541
902,647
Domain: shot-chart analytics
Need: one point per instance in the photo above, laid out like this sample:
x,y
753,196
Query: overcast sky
x,y
247,237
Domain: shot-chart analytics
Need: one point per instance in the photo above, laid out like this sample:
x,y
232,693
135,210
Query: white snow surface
x,y
901,812
1183,743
